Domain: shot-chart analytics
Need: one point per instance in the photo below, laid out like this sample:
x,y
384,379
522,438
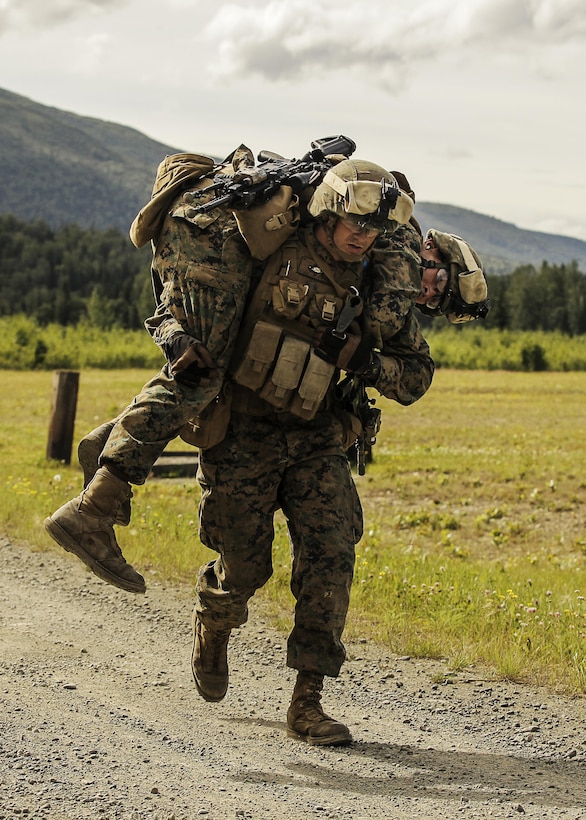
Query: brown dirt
x,y
100,719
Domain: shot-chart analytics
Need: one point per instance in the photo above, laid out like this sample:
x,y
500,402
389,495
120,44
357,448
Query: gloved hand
x,y
362,356
348,351
190,362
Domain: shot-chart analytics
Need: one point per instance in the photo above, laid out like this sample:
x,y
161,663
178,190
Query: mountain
x,y
64,168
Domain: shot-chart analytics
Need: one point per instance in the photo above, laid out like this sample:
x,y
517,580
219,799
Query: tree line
x,y
71,275
547,298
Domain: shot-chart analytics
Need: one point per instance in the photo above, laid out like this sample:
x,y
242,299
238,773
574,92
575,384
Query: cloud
x,y
36,14
280,41
90,53
519,22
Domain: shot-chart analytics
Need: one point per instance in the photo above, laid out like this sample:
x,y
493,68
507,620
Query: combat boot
x,y
209,660
306,720
88,453
84,527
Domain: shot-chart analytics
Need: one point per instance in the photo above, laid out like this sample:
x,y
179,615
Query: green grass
x,y
475,538
474,347
26,345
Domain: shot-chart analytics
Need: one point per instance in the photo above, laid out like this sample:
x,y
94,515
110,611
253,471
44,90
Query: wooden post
x,y
63,407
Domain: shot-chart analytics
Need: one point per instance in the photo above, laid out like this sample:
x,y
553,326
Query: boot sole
x,y
335,740
64,540
203,693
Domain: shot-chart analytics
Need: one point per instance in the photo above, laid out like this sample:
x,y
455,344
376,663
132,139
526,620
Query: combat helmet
x,y
466,292
364,193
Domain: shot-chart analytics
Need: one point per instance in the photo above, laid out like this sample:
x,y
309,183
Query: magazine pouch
x,y
260,354
287,372
313,388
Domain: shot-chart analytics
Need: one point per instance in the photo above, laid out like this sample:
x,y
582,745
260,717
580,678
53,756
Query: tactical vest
x,y
298,296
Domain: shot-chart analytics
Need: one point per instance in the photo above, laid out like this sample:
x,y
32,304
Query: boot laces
x,y
312,710
309,701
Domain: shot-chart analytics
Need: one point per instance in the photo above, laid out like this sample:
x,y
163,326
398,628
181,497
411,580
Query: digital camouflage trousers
x,y
153,418
265,464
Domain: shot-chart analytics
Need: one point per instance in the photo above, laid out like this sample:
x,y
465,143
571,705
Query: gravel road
x,y
100,719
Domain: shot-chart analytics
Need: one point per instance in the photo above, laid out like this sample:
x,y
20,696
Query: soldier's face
x,y
350,239
433,280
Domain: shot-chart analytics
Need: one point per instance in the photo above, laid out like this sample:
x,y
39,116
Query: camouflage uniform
x,y
270,460
283,395
205,275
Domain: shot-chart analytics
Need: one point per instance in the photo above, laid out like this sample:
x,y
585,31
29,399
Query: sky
x,y
479,102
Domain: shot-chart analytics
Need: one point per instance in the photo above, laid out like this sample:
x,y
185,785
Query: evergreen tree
x,y
71,274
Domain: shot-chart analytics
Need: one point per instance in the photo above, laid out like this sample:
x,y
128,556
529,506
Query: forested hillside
x,y
70,275
66,169
73,274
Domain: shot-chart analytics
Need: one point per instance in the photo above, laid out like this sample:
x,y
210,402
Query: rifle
x,y
253,186
351,392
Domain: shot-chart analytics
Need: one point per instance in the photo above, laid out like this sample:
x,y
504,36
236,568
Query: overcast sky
x,y
479,102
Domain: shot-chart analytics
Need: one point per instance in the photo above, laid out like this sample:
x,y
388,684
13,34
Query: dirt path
x,y
100,719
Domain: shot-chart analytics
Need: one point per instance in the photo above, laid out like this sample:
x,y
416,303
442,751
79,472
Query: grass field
x,y
475,538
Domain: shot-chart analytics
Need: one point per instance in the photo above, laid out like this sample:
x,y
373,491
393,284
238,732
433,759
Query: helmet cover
x,y
465,296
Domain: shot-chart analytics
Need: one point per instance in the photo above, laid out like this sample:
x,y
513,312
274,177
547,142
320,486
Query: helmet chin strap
x,y
431,263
